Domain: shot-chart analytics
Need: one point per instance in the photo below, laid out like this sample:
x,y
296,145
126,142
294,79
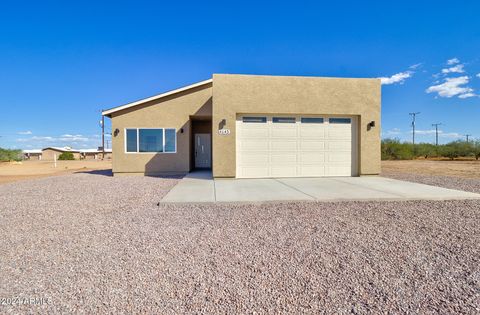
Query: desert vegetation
x,y
394,149
7,155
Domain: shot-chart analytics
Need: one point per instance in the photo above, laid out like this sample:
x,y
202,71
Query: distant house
x,y
32,154
95,154
49,153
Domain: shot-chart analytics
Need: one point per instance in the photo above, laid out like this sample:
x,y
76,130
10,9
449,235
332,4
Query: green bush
x,y
393,149
426,150
476,149
66,156
10,155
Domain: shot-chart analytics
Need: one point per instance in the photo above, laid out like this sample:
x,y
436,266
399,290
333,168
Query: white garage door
x,y
295,146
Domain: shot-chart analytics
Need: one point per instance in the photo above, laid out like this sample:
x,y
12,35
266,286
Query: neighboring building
x,y
32,154
95,154
49,153
250,126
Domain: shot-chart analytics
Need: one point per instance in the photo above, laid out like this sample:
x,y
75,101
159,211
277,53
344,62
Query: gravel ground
x,y
96,244
452,182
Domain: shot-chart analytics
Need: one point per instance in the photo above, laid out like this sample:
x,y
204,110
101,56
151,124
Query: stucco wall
x,y
242,94
170,112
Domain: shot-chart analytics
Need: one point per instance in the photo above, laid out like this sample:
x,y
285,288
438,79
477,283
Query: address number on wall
x,y
224,131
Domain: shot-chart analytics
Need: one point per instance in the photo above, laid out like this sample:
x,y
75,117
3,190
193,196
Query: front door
x,y
203,150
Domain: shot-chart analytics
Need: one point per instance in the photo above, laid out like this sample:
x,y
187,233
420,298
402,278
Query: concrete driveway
x,y
201,187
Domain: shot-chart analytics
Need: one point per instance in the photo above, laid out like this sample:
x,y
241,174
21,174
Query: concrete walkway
x,y
201,187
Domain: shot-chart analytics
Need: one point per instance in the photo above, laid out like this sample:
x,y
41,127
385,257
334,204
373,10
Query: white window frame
x,y
138,140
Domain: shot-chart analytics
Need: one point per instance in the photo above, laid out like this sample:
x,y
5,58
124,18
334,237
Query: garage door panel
x,y
311,170
284,171
337,171
312,132
260,158
338,135
311,158
254,145
308,147
286,158
339,145
283,132
311,145
283,145
252,172
338,157
255,133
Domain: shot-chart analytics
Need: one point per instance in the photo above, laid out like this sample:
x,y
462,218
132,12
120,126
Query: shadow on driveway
x,y
107,172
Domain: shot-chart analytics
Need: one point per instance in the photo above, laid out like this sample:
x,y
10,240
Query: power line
x,y
436,132
468,137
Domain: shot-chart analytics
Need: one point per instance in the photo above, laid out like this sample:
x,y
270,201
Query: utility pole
x,y
102,124
467,137
436,132
413,128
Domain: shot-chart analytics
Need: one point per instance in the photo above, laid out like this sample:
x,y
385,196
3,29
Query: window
x,y
150,140
339,120
144,140
312,120
287,120
170,140
254,119
131,140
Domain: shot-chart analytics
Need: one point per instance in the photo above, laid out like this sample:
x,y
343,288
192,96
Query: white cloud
x,y
467,95
415,66
425,132
451,135
454,69
401,76
478,75
28,132
72,140
441,133
452,87
396,78
452,61
392,132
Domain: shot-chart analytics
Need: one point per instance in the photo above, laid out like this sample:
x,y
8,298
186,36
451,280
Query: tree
x,y
66,156
393,149
426,150
10,155
455,149
476,149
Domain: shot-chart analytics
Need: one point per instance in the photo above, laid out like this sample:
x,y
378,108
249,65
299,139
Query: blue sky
x,y
61,62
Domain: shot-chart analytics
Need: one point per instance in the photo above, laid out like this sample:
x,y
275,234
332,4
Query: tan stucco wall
x,y
242,94
47,155
170,112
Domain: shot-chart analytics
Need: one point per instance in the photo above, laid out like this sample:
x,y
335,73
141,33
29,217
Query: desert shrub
x,y
393,149
426,150
66,156
10,155
476,149
456,149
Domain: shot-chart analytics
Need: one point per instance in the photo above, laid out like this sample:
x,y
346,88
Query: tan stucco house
x,y
252,126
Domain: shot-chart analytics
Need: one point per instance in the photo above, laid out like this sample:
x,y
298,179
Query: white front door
x,y
203,150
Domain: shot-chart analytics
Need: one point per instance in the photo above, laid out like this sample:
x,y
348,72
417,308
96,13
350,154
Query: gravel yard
x,y
93,243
